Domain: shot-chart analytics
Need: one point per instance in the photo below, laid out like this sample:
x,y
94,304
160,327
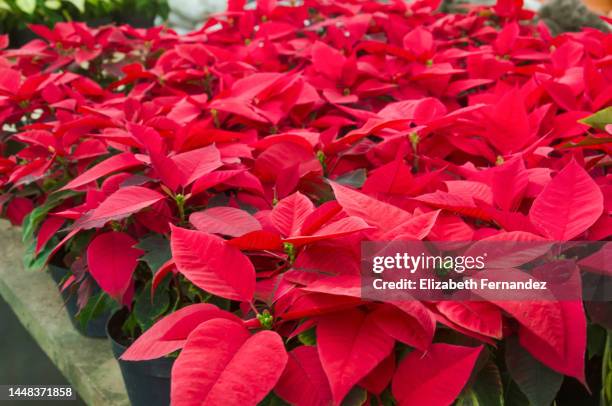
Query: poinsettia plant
x,y
220,185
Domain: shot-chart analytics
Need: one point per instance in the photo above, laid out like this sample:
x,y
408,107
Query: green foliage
x,y
600,119
157,250
36,216
16,14
354,178
148,309
97,305
487,390
539,383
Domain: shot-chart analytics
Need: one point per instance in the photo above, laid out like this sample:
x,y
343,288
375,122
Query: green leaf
x,y
596,340
356,397
36,216
588,141
513,395
600,119
33,262
538,382
272,400
79,243
489,388
354,178
308,337
468,398
79,4
157,250
148,309
27,6
53,4
97,305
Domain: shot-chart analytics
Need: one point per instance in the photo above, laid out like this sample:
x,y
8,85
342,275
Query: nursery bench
x,y
87,363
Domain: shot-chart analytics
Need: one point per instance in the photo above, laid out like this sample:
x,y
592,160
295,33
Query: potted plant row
x,y
213,190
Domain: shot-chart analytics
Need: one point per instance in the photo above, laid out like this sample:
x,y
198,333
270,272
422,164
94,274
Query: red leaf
x,y
598,261
568,356
342,227
112,259
18,209
47,230
436,377
327,60
213,179
155,343
383,216
408,328
158,277
222,364
351,345
394,177
224,220
113,164
345,285
570,204
322,214
507,122
257,240
418,227
463,204
213,265
315,304
289,214
380,377
480,317
123,203
303,382
542,319
197,163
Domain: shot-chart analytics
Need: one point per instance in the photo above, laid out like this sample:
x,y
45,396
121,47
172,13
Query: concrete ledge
x,y
87,363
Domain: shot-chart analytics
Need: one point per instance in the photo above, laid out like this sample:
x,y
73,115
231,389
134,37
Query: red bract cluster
x,y
266,147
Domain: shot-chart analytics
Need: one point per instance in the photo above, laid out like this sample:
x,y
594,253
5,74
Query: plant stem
x,y
605,369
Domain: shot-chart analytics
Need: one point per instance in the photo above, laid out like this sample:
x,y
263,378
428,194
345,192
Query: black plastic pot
x,y
147,382
96,328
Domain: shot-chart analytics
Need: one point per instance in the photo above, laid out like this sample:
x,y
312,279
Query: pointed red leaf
x,y
289,214
197,163
213,265
380,377
18,209
223,364
154,343
404,327
47,230
383,216
418,227
115,163
257,240
112,259
480,317
121,204
224,220
351,345
436,377
342,227
568,358
304,382
570,204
